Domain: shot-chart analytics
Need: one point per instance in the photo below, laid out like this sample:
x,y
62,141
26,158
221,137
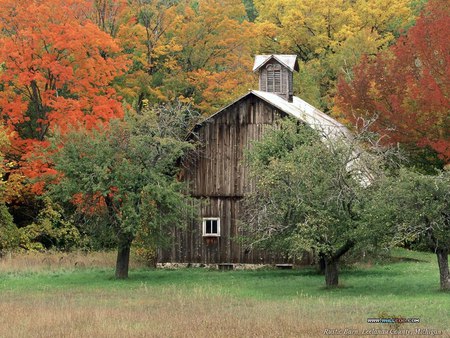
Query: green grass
x,y
408,287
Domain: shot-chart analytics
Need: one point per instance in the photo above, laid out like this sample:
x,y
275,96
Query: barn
x,y
217,175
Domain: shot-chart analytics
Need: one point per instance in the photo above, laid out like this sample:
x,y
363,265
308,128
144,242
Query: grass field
x,y
77,297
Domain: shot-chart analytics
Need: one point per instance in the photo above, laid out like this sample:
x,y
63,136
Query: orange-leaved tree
x,y
199,52
216,56
56,71
407,88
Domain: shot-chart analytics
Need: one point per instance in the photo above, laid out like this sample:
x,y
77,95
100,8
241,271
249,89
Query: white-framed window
x,y
211,226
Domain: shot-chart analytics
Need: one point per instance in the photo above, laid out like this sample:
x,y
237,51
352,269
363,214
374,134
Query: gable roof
x,y
298,109
289,61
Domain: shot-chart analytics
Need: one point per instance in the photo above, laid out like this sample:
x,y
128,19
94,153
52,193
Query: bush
x,y
9,234
51,230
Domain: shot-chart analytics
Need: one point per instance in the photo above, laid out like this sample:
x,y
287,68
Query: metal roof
x,y
305,112
290,61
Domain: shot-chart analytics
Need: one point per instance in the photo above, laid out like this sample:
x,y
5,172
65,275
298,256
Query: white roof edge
x,y
288,60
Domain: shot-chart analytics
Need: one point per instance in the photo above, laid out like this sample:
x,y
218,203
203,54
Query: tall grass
x,y
52,261
70,301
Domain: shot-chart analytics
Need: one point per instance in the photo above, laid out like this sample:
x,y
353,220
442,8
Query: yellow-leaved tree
x,y
217,52
197,52
329,36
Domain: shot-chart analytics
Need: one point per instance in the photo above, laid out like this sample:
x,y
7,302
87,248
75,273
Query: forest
x,y
97,97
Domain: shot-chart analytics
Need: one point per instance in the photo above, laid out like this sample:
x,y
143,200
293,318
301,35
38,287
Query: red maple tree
x,y
407,88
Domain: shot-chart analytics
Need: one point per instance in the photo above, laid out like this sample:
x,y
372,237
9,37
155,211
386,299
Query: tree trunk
x,y
321,265
442,257
123,259
332,262
331,272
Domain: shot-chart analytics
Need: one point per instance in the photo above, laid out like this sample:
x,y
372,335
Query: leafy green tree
x,y
309,194
9,234
416,207
123,177
250,9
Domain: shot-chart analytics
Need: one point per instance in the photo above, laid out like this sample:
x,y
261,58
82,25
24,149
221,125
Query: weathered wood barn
x,y
217,175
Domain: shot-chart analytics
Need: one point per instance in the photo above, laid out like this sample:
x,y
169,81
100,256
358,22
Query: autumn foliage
x,y
329,37
56,71
198,52
407,87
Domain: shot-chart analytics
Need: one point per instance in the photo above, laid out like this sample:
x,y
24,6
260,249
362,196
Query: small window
x,y
211,226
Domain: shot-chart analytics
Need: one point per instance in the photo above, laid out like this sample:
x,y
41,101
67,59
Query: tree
x,y
4,143
56,70
52,228
144,37
309,192
106,14
250,9
216,53
199,52
9,234
329,36
407,88
123,177
416,207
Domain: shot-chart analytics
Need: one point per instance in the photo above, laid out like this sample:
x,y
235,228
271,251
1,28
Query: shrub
x,y
9,234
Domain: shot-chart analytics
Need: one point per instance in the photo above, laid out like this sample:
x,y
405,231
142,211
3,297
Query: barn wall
x,y
219,179
190,247
218,169
189,244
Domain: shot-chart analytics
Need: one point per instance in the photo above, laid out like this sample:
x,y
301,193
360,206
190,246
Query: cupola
x,y
276,74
